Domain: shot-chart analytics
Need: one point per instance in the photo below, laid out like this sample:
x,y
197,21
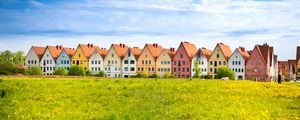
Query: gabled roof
x,y
121,49
102,51
225,50
205,52
88,49
39,51
55,51
190,49
264,50
154,49
69,51
298,53
136,51
244,53
171,52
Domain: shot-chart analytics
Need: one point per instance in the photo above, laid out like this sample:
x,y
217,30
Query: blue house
x,y
64,58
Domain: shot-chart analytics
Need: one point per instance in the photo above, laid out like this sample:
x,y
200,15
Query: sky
x,y
26,23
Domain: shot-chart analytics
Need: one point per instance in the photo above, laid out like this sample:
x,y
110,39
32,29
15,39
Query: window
x,y
149,61
187,70
68,62
174,70
146,62
242,70
210,69
178,69
161,62
158,69
183,62
239,62
112,55
34,61
142,61
220,63
132,62
211,62
139,69
169,62
125,61
183,70
149,69
224,62
202,63
239,70
112,62
62,62
232,62
174,62
99,62
181,56
92,68
79,55
125,68
215,70
132,69
169,69
108,61
65,62
116,62
218,55
142,68
28,61
129,54
116,69
47,61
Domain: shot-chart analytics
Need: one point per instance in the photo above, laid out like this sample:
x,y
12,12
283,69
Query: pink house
x,y
182,61
259,66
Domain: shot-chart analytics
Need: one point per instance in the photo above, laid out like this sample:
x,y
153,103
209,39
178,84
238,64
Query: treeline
x,y
11,62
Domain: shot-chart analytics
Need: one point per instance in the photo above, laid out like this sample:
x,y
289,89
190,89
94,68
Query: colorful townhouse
x,y
82,55
64,58
259,65
113,60
96,60
183,60
48,61
276,72
34,56
292,69
164,62
219,58
203,55
283,70
146,62
237,62
129,62
298,62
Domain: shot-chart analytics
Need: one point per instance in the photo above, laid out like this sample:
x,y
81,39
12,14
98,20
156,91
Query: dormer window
x,y
79,55
112,55
218,55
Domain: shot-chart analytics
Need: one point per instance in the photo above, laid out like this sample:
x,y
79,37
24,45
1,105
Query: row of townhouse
x,y
290,69
123,61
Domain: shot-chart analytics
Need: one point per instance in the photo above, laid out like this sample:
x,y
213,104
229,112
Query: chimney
x,y
222,43
92,45
123,45
56,46
203,48
242,48
60,47
265,44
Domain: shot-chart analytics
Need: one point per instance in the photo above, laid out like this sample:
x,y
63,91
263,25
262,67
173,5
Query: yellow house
x,y
83,54
298,62
218,58
147,59
164,62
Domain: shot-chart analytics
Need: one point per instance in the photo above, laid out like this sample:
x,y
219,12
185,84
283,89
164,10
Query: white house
x,y
237,62
113,60
64,58
96,60
34,56
202,56
48,61
129,62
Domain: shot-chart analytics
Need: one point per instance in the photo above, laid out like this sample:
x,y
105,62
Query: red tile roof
x,y
70,51
55,51
136,51
190,49
265,50
244,53
205,52
39,51
155,49
102,51
171,52
298,53
121,49
225,50
88,49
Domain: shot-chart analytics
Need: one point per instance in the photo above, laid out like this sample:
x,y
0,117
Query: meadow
x,y
134,98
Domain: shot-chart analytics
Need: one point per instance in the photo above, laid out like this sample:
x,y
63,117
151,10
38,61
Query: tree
x,y
76,70
197,69
225,72
8,69
101,73
33,71
60,71
19,57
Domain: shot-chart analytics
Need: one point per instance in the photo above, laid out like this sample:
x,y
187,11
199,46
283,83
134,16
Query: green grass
x,y
91,98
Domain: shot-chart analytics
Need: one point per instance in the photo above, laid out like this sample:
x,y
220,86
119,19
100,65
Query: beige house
x,y
164,62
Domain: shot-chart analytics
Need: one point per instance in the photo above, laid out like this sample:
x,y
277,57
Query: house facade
x,y
34,56
258,66
204,55
283,70
82,55
129,62
96,60
237,62
48,61
164,61
64,58
218,58
113,60
183,60
298,62
146,62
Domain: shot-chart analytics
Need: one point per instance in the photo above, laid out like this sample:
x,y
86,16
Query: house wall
x,y
129,68
298,69
63,61
32,59
181,64
256,68
80,59
146,62
163,64
237,64
47,63
216,60
112,64
203,62
96,63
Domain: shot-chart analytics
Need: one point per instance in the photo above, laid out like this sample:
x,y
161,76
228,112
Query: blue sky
x,y
24,23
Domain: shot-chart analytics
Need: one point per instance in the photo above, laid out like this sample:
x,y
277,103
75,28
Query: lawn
x,y
103,98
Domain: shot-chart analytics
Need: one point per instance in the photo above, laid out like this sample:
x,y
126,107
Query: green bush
x,y
76,70
8,69
206,76
141,75
88,73
168,75
101,73
33,71
153,76
60,71
225,72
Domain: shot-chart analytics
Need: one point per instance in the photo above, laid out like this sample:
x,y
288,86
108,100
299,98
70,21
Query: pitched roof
x,y
55,51
205,52
244,53
136,51
39,51
154,49
171,52
298,53
102,51
121,49
225,50
190,49
264,50
88,49
69,51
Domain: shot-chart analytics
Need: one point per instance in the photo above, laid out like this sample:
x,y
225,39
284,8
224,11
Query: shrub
x,y
101,73
60,71
76,70
197,69
153,76
33,71
206,76
88,73
8,69
141,75
225,72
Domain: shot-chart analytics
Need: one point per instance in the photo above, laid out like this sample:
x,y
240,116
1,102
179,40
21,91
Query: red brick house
x,y
260,65
182,61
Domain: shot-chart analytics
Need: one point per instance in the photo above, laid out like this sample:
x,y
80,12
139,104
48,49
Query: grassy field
x,y
91,98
